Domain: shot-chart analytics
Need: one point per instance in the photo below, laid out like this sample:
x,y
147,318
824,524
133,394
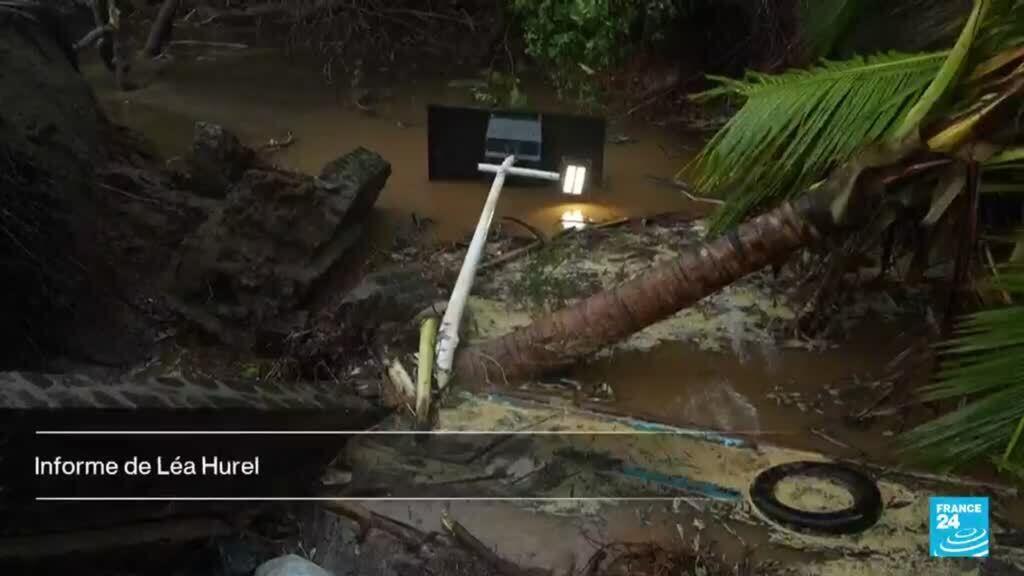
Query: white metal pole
x,y
448,334
515,171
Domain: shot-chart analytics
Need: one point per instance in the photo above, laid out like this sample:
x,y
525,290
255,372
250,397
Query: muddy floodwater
x,y
264,95
799,398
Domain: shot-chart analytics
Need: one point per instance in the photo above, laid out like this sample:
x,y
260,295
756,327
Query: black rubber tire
x,y
863,514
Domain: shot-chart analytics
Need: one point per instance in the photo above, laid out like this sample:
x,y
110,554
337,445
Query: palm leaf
x,y
949,72
1008,157
1007,459
984,364
1003,28
793,127
1004,172
981,428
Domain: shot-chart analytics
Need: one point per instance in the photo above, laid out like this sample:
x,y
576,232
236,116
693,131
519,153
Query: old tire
x,y
864,513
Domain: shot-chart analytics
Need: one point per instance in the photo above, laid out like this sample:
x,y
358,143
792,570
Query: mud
x,y
897,541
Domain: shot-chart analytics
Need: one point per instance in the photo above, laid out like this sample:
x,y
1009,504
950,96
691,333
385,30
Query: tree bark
x,y
563,338
160,32
101,17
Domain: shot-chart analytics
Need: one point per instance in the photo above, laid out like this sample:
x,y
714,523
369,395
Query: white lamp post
x,y
573,181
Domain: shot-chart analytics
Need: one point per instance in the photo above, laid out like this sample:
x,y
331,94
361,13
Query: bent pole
x,y
448,334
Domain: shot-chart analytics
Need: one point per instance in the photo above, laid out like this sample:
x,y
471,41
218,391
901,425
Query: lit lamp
x,y
575,176
508,138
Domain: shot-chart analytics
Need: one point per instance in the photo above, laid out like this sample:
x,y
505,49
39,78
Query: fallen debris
x,y
425,372
402,385
257,257
218,159
275,144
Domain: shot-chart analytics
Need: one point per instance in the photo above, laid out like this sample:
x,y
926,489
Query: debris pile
x,y
274,236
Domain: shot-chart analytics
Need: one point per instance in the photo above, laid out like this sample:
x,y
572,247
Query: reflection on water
x,y
267,96
573,219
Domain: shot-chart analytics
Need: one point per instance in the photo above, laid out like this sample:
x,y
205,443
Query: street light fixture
x,y
575,176
509,138
520,136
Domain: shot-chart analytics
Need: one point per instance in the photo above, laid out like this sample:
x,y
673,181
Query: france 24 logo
x,y
958,527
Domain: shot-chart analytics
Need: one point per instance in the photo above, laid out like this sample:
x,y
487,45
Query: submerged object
x,y
461,138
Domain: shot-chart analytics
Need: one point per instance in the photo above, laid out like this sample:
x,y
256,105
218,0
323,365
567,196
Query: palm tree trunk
x,y
563,338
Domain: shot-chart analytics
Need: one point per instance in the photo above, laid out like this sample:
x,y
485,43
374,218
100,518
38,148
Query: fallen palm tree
x,y
851,197
886,128
565,337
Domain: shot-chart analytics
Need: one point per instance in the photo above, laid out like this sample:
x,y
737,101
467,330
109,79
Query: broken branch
x,y
92,37
425,371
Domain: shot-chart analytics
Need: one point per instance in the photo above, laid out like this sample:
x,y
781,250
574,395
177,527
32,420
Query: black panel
x,y
455,142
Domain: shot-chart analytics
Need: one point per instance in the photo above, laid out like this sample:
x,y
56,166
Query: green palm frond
x,y
1004,173
1012,157
794,126
949,73
1003,28
984,364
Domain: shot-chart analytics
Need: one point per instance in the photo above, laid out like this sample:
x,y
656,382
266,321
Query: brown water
x,y
798,398
262,95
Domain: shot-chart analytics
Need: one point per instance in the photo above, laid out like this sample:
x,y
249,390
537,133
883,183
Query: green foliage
x,y
948,74
794,126
984,364
494,89
1003,28
1004,173
578,39
546,285
575,38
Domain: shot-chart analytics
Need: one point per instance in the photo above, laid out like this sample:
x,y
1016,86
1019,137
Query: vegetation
x,y
494,89
786,135
795,128
984,362
543,286
575,39
579,42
